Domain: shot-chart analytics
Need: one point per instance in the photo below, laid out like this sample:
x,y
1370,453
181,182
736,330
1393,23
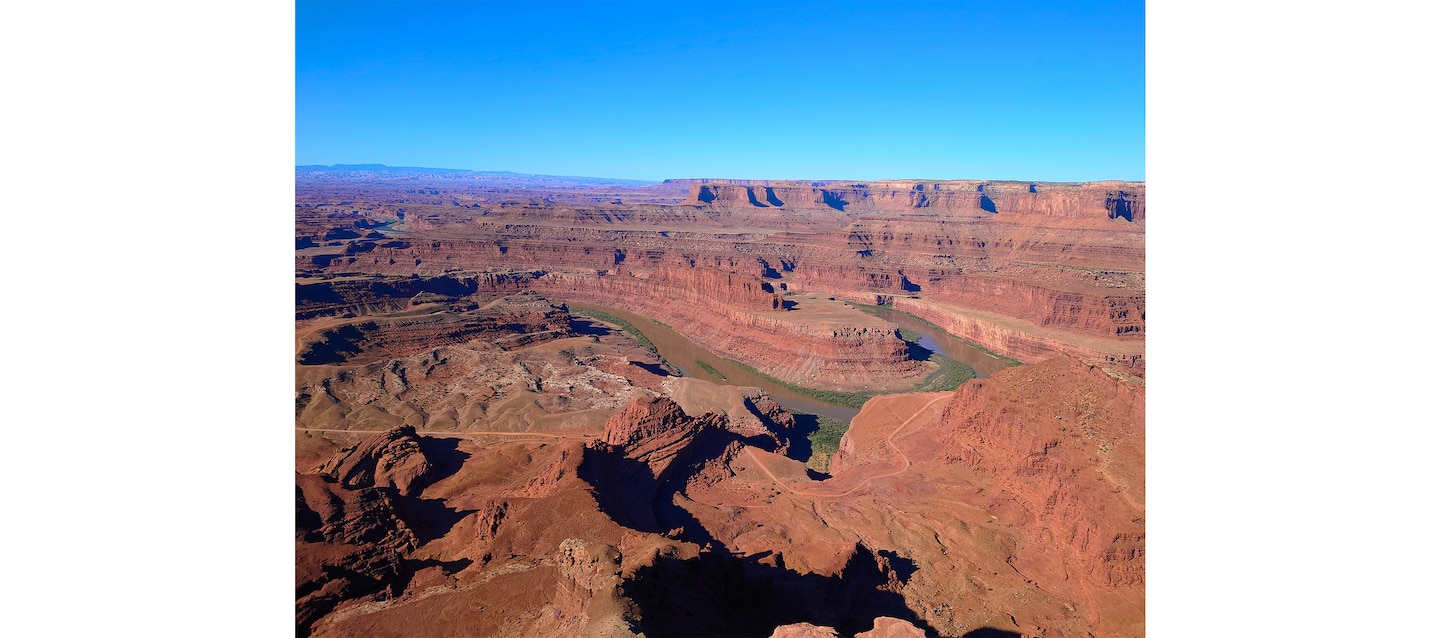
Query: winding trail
x,y
889,441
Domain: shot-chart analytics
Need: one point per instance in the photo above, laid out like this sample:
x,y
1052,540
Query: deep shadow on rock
x,y
629,494
429,519
717,594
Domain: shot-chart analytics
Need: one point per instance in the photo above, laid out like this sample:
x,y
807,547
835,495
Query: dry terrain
x,y
476,457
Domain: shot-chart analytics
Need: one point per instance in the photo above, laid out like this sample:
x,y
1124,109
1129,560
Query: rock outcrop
x,y
1065,260
1030,516
633,465
349,544
887,627
509,322
587,591
655,432
804,630
580,491
391,459
1065,442
1078,470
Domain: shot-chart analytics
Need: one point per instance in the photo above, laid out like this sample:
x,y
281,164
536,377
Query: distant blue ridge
x,y
381,168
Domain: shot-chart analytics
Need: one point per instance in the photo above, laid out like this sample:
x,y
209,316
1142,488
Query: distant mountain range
x,y
401,170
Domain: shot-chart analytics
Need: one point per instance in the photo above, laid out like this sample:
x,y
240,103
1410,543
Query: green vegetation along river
x,y
936,339
694,361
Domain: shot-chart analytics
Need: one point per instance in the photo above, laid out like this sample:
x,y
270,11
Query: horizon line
x,y
378,166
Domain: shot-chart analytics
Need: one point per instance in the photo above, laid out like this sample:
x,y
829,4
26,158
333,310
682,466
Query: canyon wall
x,y
1066,442
735,316
1050,456
1095,311
1113,200
1033,268
466,453
1017,340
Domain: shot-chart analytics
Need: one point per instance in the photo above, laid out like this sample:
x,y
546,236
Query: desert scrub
x,y
825,442
848,399
709,368
950,375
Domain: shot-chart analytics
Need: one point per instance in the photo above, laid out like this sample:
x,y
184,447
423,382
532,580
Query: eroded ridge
x,y
474,456
1026,270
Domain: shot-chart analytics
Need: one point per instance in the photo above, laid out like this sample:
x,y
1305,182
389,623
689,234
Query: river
x,y
935,339
685,355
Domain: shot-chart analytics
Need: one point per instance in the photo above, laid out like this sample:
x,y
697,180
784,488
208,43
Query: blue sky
x,y
1049,91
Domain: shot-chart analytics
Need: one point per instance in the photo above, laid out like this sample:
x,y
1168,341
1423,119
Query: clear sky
x,y
1046,91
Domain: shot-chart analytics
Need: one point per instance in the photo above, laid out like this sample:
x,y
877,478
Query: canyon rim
x,y
541,406
775,319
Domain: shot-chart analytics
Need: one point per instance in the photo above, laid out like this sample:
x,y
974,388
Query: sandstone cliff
x,y
1064,441
633,462
1067,258
655,432
1112,200
734,316
1021,340
554,482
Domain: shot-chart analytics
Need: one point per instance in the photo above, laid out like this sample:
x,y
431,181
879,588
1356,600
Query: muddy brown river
x,y
932,338
685,355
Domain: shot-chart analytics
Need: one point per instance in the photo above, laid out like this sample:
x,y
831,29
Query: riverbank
x,y
691,360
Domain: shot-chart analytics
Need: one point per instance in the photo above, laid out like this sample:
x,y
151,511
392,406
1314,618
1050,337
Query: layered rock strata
x,y
1019,340
350,539
1113,199
1065,259
506,364
1077,474
1054,451
1015,504
509,323
736,317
